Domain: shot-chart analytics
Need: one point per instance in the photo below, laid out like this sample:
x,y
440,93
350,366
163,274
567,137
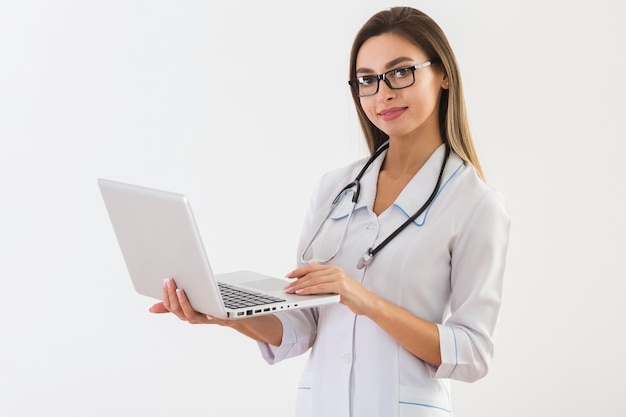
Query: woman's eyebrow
x,y
388,65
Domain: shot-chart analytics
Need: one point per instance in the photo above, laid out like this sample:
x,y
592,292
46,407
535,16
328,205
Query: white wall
x,y
209,99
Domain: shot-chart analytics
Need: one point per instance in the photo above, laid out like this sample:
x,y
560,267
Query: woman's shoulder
x,y
345,173
331,182
474,191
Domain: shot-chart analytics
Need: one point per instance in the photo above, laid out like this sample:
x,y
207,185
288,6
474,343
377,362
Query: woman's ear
x,y
444,83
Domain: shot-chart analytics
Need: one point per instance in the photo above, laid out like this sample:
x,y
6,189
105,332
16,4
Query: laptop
x,y
159,239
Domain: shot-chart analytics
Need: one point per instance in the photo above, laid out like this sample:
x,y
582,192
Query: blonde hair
x,y
423,31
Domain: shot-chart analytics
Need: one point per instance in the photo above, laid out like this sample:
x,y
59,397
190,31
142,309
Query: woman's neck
x,y
406,156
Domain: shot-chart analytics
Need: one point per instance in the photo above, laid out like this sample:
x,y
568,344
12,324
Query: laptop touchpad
x,y
271,284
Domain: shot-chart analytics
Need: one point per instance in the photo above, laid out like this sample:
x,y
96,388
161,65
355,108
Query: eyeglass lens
x,y
395,79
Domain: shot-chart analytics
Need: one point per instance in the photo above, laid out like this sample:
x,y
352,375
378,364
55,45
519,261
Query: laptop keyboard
x,y
240,298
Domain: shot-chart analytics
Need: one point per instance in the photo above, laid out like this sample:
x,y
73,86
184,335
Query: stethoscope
x,y
354,188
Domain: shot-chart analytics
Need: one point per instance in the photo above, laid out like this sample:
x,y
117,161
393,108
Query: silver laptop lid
x,y
155,249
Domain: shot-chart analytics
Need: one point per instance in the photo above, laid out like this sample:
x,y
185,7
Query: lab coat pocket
x,y
419,402
305,395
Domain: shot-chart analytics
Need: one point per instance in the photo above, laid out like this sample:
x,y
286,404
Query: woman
x,y
418,260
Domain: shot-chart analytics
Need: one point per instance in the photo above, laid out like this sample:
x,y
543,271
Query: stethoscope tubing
x,y
356,185
369,254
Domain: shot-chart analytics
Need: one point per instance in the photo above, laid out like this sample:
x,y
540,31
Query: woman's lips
x,y
391,114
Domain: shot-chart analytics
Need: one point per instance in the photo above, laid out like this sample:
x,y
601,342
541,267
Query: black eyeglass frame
x,y
355,82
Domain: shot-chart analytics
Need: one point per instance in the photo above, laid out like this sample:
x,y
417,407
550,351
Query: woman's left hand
x,y
320,279
418,336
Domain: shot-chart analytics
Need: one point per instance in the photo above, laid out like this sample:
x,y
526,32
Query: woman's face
x,y
406,112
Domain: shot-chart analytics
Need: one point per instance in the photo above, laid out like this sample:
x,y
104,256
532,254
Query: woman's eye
x,y
401,72
367,80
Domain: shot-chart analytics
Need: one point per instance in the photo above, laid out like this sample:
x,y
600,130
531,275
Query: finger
x,y
314,275
184,303
191,315
166,301
159,308
171,300
300,283
316,283
168,286
319,288
305,270
218,321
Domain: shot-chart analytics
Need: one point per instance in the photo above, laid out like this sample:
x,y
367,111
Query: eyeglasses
x,y
395,79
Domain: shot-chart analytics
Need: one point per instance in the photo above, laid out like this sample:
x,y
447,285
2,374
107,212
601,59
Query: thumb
x,y
159,308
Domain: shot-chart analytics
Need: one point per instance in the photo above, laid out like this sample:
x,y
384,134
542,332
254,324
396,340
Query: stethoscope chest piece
x,y
365,259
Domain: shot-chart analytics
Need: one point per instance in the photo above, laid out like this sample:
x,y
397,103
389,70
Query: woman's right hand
x,y
175,301
266,328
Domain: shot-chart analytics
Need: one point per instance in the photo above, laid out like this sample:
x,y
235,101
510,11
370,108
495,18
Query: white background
x,y
242,105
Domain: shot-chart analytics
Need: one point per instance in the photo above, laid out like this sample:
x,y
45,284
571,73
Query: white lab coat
x,y
447,268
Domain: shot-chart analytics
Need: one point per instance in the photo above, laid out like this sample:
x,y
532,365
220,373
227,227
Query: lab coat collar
x,y
418,189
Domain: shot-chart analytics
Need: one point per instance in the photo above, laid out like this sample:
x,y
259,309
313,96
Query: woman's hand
x,y
266,328
418,336
175,301
318,279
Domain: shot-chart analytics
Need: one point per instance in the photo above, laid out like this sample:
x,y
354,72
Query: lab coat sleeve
x,y
299,326
477,270
299,330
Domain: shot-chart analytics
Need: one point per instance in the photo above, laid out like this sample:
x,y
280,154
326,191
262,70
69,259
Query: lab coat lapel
x,y
419,189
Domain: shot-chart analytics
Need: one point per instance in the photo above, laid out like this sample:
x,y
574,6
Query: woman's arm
x,y
418,336
460,348
265,329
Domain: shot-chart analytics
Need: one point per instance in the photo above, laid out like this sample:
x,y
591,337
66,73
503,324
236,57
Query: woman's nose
x,y
385,92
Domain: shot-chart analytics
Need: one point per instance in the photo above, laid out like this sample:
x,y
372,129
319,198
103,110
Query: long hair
x,y
424,32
